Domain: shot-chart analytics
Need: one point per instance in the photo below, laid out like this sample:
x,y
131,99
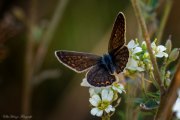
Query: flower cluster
x,y
139,56
140,62
104,99
176,107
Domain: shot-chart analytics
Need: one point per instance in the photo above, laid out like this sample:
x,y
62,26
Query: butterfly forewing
x,y
77,61
120,59
99,76
117,39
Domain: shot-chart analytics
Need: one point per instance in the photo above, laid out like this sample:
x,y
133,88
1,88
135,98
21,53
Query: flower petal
x,y
104,94
99,114
112,109
160,54
91,91
109,109
118,87
178,115
143,43
137,50
153,45
85,83
110,95
132,63
121,89
161,48
94,90
95,100
140,69
165,55
176,108
94,111
131,44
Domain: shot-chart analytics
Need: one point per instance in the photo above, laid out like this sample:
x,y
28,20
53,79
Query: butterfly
x,y
101,69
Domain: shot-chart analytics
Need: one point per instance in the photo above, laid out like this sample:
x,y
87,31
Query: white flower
x,y
102,104
118,87
176,107
132,44
133,47
94,90
85,83
135,65
159,50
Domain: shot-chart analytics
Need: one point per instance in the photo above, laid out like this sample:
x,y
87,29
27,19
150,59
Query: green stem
x,y
153,80
148,43
106,117
47,38
143,83
28,61
163,71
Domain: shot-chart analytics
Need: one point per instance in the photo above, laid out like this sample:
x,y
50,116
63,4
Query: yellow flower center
x,y
103,104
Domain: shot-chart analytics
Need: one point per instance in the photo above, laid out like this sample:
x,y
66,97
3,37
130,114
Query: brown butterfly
x,y
100,69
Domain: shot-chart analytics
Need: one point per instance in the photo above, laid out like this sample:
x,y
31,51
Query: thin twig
x,y
28,68
42,49
164,20
148,43
44,75
143,83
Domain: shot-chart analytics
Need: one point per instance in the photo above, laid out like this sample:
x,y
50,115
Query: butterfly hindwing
x,y
117,39
77,61
120,58
99,76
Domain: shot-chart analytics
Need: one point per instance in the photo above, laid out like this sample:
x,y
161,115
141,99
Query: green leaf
x,y
152,104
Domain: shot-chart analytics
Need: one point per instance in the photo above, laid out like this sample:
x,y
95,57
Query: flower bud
x,y
155,40
174,54
146,55
168,74
119,100
143,45
168,46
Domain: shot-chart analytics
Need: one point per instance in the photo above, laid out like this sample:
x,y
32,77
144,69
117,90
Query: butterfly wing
x,y
120,58
118,52
99,76
77,61
117,39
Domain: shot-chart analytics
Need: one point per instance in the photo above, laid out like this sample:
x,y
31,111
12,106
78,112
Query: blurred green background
x,y
53,92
